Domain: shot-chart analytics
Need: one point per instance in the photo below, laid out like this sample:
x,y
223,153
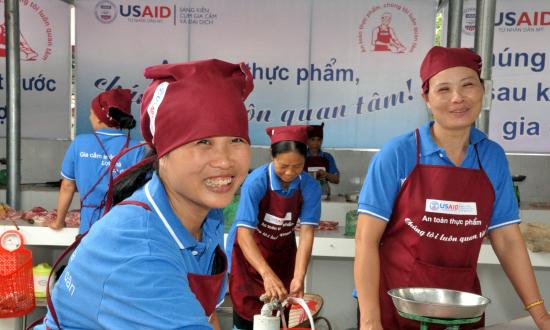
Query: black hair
x,y
125,120
134,178
286,146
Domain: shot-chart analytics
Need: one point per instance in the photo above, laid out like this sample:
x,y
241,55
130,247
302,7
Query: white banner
x,y
520,116
45,69
313,60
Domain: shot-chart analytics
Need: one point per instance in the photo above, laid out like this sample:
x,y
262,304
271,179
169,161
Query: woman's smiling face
x,y
206,173
455,97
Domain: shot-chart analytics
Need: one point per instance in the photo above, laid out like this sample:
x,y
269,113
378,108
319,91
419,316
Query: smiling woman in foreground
x,y
156,260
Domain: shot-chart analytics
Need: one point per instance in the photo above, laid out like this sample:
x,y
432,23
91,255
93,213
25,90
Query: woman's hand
x,y
57,224
297,287
543,323
321,174
273,286
371,326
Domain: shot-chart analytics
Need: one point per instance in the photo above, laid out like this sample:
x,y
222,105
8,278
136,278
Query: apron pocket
x,y
429,275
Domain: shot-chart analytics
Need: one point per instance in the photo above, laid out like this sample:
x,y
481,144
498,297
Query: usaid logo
x,y
469,21
105,11
511,18
509,21
451,207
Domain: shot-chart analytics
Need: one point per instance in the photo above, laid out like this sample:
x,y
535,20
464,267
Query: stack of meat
x,y
7,213
39,216
323,225
536,236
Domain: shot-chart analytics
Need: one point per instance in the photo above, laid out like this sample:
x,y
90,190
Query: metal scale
x,y
452,324
450,308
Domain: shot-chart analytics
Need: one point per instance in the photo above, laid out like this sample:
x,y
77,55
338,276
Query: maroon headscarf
x,y
193,100
115,98
288,133
315,131
441,58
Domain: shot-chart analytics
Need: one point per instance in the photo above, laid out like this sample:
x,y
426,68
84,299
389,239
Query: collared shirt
x,y
332,169
391,166
85,162
130,271
254,189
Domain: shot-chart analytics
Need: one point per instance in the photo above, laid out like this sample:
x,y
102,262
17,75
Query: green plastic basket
x,y
3,177
351,223
229,213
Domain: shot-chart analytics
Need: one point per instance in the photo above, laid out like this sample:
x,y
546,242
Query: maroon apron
x,y
433,239
319,161
383,36
207,287
276,241
316,161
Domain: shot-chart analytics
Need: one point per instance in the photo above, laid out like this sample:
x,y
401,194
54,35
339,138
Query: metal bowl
x,y
438,303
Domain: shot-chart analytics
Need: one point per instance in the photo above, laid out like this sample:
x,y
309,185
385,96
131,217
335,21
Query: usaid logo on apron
x,y
451,207
274,220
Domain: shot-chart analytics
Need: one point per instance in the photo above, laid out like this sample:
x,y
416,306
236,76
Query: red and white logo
x,y
469,20
35,44
390,27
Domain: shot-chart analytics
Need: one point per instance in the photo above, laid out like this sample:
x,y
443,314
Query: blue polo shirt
x,y
85,162
254,189
332,169
130,271
391,166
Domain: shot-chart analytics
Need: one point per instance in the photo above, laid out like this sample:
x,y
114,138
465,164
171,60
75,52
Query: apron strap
x,y
36,322
102,204
54,268
112,180
137,203
478,159
417,135
105,149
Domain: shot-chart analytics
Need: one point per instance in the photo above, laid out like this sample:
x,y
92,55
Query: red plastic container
x,y
16,280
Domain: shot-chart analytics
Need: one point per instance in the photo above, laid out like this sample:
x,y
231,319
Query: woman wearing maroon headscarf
x,y
261,242
320,163
430,198
156,260
86,164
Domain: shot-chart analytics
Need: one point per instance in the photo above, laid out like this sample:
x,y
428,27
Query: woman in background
x,y
262,243
319,163
86,164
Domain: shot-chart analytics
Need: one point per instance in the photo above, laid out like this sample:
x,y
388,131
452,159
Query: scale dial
x,y
11,240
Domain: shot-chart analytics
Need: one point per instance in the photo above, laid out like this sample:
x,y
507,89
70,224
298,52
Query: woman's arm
x,y
272,284
330,177
510,249
66,193
367,269
302,260
214,321
333,178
